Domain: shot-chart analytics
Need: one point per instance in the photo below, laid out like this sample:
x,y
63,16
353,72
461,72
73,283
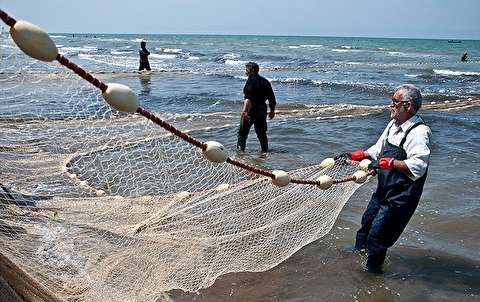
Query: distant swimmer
x,y
144,53
464,57
256,92
401,160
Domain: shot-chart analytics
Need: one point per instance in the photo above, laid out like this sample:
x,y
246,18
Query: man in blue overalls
x,y
401,158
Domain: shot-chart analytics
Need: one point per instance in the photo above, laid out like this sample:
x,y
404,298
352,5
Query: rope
x,y
250,168
7,19
82,73
191,140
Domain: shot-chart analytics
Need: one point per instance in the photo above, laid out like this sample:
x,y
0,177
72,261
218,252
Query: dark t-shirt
x,y
143,54
258,90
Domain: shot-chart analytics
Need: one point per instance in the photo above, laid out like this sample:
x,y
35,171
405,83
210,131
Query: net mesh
x,y
98,205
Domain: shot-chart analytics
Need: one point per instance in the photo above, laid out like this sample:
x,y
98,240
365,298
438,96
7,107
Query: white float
x,y
360,176
215,152
33,41
183,194
121,98
281,178
364,163
327,163
325,182
222,187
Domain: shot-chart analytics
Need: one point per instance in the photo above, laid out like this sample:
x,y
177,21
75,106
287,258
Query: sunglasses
x,y
396,102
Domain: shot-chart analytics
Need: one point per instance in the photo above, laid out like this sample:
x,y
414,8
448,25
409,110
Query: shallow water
x,y
331,93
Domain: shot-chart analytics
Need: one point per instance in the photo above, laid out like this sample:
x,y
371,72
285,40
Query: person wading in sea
x,y
401,159
144,53
256,92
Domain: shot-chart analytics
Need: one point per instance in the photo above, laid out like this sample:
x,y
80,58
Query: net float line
x,y
37,44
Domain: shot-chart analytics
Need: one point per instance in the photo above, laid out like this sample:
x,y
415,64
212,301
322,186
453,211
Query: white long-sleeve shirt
x,y
417,144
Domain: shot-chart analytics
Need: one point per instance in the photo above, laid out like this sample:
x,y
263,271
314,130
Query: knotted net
x,y
98,205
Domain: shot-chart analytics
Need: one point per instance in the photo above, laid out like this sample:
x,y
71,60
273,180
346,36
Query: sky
x,y
444,19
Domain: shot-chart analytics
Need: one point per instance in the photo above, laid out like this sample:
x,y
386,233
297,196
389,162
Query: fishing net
x,y
100,205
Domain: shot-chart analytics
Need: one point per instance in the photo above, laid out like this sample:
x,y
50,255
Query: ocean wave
x,y
447,72
234,62
300,81
378,88
348,63
345,50
311,45
172,50
231,56
88,49
121,52
163,56
306,46
396,53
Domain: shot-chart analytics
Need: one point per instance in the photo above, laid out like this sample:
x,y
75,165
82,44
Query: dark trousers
x,y
382,225
259,121
144,65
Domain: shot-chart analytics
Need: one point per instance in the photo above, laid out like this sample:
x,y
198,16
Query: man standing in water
x,y
256,92
144,53
401,159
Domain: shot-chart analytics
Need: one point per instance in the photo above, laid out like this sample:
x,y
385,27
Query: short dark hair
x,y
252,67
143,43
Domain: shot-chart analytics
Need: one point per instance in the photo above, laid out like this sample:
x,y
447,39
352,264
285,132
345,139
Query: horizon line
x,y
268,35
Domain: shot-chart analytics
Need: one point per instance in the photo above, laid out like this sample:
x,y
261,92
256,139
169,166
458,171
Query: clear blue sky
x,y
459,19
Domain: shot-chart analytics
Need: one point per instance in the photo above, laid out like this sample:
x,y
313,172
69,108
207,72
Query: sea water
x,y
331,95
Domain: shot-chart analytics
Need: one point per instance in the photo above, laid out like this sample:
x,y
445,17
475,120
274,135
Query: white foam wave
x,y
348,47
448,72
344,50
193,58
120,52
305,46
412,75
396,53
231,56
100,59
163,56
348,63
311,45
137,40
234,62
88,49
172,50
114,40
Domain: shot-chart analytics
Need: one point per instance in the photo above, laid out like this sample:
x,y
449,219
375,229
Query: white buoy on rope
x,y
215,152
281,178
183,194
360,176
364,163
222,187
33,41
327,163
121,98
325,182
